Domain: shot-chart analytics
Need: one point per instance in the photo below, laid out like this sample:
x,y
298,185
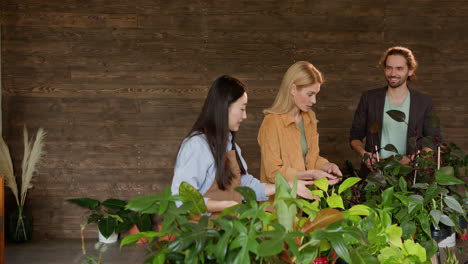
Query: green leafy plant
x,y
245,233
112,216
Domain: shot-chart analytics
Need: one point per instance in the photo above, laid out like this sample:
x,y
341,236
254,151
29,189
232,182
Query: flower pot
x,y
111,239
442,233
449,241
20,225
134,230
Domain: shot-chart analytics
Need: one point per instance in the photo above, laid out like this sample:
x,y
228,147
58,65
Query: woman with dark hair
x,y
210,160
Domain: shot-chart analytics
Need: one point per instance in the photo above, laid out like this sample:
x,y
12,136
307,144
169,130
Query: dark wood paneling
x,y
117,84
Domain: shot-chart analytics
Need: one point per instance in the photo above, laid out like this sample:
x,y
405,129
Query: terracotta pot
x,y
134,230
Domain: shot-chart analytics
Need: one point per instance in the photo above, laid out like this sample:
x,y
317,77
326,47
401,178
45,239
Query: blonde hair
x,y
302,74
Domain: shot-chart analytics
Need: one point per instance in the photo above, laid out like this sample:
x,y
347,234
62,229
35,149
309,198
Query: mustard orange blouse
x,y
280,145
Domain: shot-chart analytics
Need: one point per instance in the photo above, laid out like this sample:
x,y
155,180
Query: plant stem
x,y
20,227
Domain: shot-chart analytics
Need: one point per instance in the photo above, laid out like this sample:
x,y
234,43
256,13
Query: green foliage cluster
x,y
245,233
112,216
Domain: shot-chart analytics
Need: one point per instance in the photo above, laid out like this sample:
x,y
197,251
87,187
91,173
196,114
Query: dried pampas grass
x,y
6,168
33,152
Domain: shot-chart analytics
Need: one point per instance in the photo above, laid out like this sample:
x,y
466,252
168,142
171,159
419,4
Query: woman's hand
x,y
324,172
302,189
332,168
218,206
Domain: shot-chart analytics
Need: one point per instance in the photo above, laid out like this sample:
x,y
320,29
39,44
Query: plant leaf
x,y
247,193
436,215
114,204
360,255
85,202
360,209
348,183
325,217
132,239
446,220
408,228
391,148
396,115
444,176
335,201
454,204
107,226
322,184
433,191
190,194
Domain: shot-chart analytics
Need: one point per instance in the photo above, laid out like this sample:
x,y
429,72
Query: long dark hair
x,y
213,121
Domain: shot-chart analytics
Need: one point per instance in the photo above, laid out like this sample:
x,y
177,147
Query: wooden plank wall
x,y
117,84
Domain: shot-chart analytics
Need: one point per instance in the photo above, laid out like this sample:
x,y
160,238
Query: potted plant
x,y
246,233
20,220
109,215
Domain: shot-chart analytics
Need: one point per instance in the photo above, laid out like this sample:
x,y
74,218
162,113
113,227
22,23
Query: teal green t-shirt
x,y
394,132
303,139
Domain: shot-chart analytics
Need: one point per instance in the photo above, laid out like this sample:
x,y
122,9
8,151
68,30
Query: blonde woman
x,y
288,137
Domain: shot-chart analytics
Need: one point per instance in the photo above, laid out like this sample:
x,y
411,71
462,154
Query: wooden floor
x,y
61,251
64,251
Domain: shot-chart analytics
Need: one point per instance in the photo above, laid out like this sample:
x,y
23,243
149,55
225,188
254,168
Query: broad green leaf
x,y
247,193
444,176
396,115
412,248
360,255
132,239
85,202
403,198
454,204
337,242
285,213
417,197
142,221
408,228
190,194
387,196
433,191
107,226
391,148
147,204
114,204
436,215
322,184
360,209
376,176
414,206
318,193
348,183
423,186
335,201
388,253
403,184
394,232
444,219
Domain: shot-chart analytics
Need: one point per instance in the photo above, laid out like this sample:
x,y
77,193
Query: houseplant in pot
x,y
109,215
20,220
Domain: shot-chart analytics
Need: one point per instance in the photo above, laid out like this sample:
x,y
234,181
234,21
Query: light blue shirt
x,y
195,165
394,132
